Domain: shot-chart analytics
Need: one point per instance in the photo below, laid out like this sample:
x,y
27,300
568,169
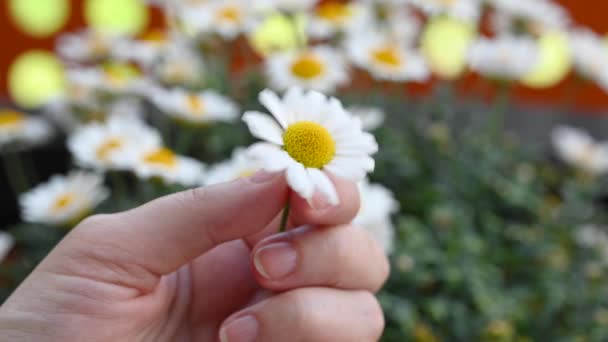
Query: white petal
x,y
269,157
264,127
299,181
324,185
271,101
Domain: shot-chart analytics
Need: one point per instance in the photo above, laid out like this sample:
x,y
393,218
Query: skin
x,y
195,266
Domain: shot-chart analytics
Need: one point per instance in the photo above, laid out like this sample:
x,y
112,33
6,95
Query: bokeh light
x,y
555,61
117,16
39,18
278,32
34,78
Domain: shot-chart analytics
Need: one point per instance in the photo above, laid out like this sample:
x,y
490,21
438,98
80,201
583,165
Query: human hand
x,y
206,265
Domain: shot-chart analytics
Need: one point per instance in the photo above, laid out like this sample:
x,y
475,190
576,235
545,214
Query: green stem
x,y
285,216
15,173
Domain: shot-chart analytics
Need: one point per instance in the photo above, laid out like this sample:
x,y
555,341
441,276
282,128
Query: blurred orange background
x,y
589,97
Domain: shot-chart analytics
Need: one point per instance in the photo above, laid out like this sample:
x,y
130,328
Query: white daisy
x,y
403,25
590,54
87,46
114,77
162,163
196,107
240,165
371,117
506,57
101,145
18,129
6,245
386,58
284,5
227,18
143,51
590,236
469,10
332,17
63,200
320,68
578,148
536,15
377,206
310,134
179,64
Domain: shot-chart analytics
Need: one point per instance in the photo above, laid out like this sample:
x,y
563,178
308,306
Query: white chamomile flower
x,y
179,64
101,145
240,165
377,206
63,200
18,129
227,18
6,245
332,17
320,68
143,51
468,10
196,107
371,117
164,164
590,236
590,54
308,135
87,46
507,57
284,5
114,77
386,58
537,15
403,25
578,148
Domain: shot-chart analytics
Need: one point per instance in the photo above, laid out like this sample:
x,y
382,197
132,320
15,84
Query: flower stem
x,y
285,216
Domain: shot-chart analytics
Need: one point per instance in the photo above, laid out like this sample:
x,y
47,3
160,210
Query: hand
x,y
204,265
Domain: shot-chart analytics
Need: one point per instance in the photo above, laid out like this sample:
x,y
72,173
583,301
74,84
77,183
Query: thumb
x,y
163,235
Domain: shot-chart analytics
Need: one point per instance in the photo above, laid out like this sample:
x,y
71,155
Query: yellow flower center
x,y
119,75
196,104
11,118
307,66
112,144
63,202
334,11
387,56
230,13
309,143
162,157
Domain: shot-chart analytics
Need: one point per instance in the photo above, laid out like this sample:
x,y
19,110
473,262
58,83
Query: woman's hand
x,y
204,265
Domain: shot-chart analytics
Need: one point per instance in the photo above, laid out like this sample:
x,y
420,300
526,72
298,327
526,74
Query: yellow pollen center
x,y
196,104
334,11
387,56
307,66
163,157
11,118
120,74
112,144
309,143
230,13
63,201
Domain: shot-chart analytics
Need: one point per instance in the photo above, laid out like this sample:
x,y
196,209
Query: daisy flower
x,y
320,68
308,135
284,5
227,18
164,164
240,165
6,244
590,236
100,145
21,130
590,53
143,51
468,10
577,148
535,14
196,107
371,117
114,77
63,200
377,206
386,58
179,64
87,46
332,17
506,57
403,25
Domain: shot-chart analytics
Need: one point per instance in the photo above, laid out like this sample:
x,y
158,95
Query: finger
x,y
345,257
308,314
302,213
165,234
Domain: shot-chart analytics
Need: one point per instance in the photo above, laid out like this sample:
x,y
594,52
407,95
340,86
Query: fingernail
x,y
276,261
263,176
244,329
320,202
